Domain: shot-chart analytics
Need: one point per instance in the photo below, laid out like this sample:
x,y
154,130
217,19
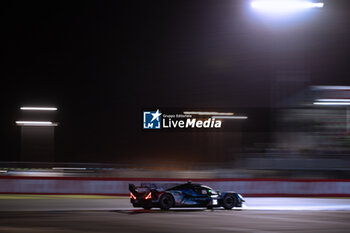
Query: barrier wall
x,y
119,186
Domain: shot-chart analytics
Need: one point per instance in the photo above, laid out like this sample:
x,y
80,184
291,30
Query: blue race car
x,y
189,194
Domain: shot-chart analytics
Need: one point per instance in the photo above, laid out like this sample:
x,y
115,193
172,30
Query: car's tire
x,y
229,201
166,201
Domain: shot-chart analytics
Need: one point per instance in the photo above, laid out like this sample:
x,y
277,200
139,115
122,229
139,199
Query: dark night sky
x,y
102,62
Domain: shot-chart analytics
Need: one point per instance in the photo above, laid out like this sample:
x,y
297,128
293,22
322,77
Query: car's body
x,y
182,195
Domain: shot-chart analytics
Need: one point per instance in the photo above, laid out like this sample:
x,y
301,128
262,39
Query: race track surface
x,y
78,215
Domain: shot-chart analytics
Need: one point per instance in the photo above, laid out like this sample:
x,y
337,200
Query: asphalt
x,y
76,215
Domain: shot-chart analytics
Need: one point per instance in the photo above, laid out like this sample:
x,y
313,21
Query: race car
x,y
166,196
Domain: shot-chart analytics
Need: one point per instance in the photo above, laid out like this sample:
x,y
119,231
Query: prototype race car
x,y
166,196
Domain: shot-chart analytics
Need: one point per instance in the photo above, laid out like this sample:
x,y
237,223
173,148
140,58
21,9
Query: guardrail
x,y
119,186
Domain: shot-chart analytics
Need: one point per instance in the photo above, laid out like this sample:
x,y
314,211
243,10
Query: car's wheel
x,y
166,201
229,201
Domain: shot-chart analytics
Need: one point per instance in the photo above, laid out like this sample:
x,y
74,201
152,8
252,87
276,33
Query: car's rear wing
x,y
153,186
159,186
138,190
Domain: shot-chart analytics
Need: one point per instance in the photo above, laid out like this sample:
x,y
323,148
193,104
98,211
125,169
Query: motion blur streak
x,y
68,168
230,117
325,87
331,103
334,100
38,123
102,203
210,113
39,108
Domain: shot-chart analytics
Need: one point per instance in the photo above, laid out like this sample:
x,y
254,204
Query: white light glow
x,y
331,88
39,108
210,113
231,117
333,100
284,6
331,103
35,123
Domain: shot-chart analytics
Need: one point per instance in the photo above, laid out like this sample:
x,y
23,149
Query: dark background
x,y
102,62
